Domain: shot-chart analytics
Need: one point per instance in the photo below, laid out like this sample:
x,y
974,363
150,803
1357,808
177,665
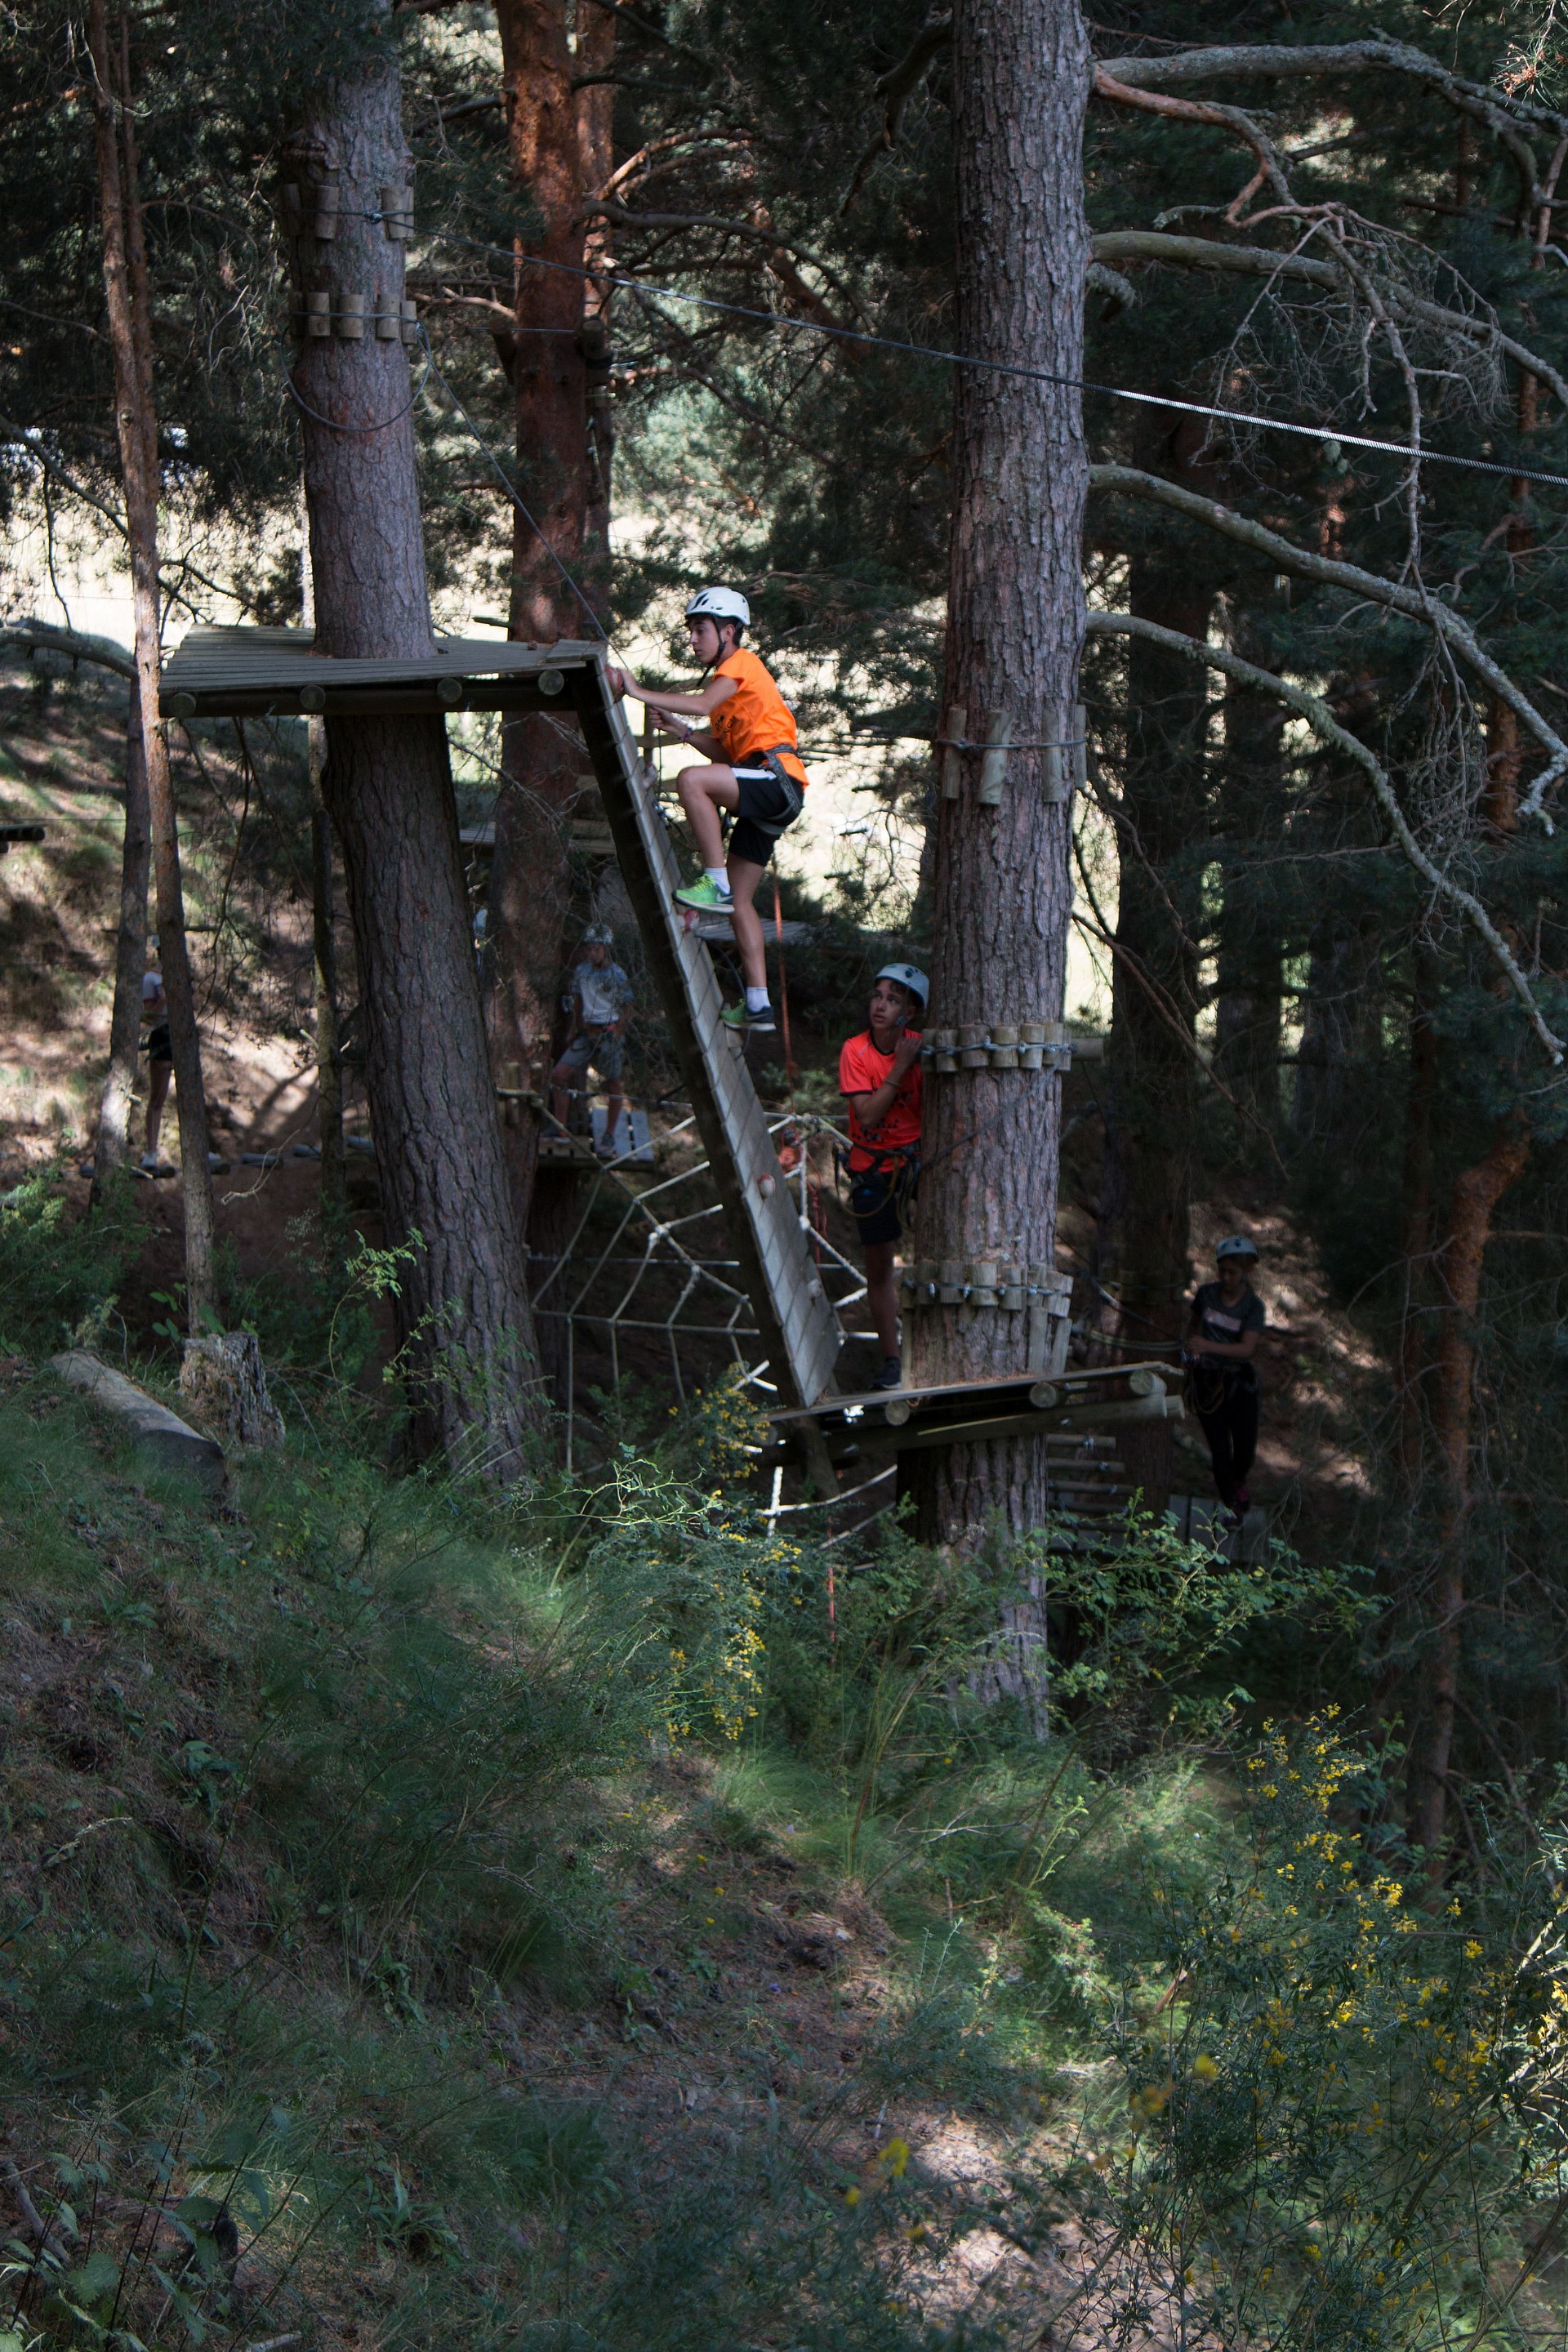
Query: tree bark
x,y
552,130
1162,818
1015,624
1476,1194
596,129
323,933
1249,962
112,1147
1415,1223
464,1325
1338,1062
129,312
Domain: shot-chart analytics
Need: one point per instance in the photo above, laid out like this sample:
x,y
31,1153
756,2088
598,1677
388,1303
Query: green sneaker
x,y
705,896
735,1016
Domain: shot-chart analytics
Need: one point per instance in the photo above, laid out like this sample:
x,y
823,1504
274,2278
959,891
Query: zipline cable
x,y
1323,433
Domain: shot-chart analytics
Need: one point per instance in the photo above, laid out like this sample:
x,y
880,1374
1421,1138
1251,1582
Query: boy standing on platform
x,y
880,1078
599,997
755,776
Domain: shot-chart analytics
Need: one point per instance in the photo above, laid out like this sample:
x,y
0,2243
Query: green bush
x,y
62,1267
1342,2112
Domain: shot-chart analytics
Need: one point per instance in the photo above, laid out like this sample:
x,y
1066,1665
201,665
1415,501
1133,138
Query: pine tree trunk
x,y
1249,962
463,1316
1163,817
1415,1223
130,312
112,1147
1341,1039
596,61
1476,1194
329,1043
323,934
1001,894
530,887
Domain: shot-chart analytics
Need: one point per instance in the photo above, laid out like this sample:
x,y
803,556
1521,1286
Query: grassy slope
x,y
375,1970
338,1872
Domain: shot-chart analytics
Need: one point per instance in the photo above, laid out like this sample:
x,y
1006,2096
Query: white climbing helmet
x,y
598,935
1235,1245
720,604
907,976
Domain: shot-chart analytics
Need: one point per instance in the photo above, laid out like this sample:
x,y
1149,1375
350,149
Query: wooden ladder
x,y
798,1323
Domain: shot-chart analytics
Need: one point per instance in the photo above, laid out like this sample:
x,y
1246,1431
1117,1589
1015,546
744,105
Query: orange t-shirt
x,y
756,718
861,1070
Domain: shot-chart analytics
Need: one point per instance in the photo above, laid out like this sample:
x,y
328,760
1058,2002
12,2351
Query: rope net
x,y
633,1283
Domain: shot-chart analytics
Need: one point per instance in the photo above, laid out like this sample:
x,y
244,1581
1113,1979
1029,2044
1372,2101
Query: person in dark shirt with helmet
x,y
1224,1327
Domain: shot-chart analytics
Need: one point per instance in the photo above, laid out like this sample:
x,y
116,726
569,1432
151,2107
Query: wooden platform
x,y
278,673
1018,1404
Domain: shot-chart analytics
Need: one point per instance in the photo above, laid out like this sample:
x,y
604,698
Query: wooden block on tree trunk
x,y
994,762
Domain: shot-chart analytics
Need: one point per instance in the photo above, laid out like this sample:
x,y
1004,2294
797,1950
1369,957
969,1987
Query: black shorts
x,y
159,1047
764,801
874,1205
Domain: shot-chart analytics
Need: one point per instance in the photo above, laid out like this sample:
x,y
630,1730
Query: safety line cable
x,y
1032,375
331,422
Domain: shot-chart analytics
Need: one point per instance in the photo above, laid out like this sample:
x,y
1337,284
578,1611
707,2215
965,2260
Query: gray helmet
x,y
1235,1245
598,935
907,976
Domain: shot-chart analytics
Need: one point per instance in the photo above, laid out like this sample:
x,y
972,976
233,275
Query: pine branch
x,y
897,86
1268,61
605,208
30,442
1413,602
1261,262
1208,253
42,637
1501,113
624,15
1227,117
1323,723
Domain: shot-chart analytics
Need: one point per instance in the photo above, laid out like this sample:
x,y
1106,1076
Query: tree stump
x,y
225,1382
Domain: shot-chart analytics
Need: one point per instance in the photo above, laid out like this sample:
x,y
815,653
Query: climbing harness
x,y
892,1180
1208,1388
793,788
1204,1387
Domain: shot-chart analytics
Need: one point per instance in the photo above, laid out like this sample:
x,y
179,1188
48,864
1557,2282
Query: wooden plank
x,y
267,663
1067,1384
1071,1453
968,1432
275,651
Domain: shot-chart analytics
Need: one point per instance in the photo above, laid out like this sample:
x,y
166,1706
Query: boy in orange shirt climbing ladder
x,y
750,739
